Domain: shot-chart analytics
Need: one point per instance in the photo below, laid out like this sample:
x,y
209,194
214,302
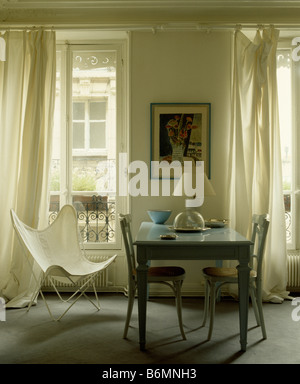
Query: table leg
x,y
243,273
142,272
219,264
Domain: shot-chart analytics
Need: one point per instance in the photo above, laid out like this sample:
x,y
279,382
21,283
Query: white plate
x,y
215,224
196,229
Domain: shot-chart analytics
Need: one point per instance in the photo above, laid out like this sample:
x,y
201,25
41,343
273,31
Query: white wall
x,y
181,67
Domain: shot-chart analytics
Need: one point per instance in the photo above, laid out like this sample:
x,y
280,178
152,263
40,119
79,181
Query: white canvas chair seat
x,y
59,252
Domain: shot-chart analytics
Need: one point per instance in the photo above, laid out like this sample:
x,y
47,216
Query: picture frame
x,y
180,131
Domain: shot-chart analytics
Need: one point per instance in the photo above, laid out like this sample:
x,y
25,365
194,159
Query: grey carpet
x,y
88,336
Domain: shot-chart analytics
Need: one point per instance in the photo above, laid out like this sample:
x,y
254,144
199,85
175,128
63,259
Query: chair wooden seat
x,y
224,272
216,277
176,273
171,276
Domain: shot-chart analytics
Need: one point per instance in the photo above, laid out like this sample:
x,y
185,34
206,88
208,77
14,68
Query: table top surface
x,y
149,234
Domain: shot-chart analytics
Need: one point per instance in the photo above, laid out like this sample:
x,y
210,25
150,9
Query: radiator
x,y
293,269
102,281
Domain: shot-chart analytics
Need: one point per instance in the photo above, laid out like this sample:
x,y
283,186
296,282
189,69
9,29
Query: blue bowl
x,y
159,216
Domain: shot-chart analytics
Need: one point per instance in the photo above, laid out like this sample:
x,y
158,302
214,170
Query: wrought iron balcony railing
x,y
95,214
288,217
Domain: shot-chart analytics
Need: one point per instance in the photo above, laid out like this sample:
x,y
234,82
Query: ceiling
x,y
145,12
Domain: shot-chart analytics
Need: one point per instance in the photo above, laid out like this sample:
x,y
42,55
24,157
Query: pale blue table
x,y
214,244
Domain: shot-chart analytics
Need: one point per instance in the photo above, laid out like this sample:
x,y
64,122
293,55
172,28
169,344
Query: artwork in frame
x,y
180,132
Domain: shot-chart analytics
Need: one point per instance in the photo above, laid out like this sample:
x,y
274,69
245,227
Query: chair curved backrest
x,y
258,238
125,223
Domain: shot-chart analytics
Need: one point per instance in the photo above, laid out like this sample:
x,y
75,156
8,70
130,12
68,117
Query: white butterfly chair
x,y
215,277
59,252
170,276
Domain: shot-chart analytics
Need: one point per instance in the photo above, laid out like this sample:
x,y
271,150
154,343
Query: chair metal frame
x,y
171,276
59,252
216,277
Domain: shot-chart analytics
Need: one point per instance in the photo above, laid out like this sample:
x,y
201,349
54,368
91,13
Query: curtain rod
x,y
161,27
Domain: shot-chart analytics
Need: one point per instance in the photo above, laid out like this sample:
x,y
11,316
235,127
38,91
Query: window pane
x,y
78,135
83,175
97,111
285,116
97,135
101,62
78,111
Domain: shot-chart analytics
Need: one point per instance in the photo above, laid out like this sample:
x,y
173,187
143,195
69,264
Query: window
x,y
89,125
87,137
288,88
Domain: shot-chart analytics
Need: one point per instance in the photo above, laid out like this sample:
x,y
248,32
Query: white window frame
x,y
295,194
294,244
122,131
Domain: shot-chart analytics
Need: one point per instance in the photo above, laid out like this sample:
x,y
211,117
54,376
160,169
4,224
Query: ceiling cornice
x,y
150,4
129,12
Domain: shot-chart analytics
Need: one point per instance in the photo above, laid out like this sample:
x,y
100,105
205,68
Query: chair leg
x,y
97,304
34,296
254,304
212,308
260,311
80,293
206,302
96,296
36,292
131,295
47,306
177,286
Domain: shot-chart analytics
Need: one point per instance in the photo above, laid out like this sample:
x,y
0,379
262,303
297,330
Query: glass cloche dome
x,y
189,220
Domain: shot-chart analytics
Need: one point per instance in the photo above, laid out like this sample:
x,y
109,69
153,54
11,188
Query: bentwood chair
x,y
216,277
59,252
171,276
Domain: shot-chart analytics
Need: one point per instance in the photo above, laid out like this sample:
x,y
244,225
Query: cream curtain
x,y
27,96
255,160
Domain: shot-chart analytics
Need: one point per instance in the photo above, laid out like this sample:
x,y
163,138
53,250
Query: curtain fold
x,y
27,97
255,177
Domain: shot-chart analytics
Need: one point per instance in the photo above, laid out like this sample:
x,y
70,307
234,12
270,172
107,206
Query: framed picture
x,y
180,132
